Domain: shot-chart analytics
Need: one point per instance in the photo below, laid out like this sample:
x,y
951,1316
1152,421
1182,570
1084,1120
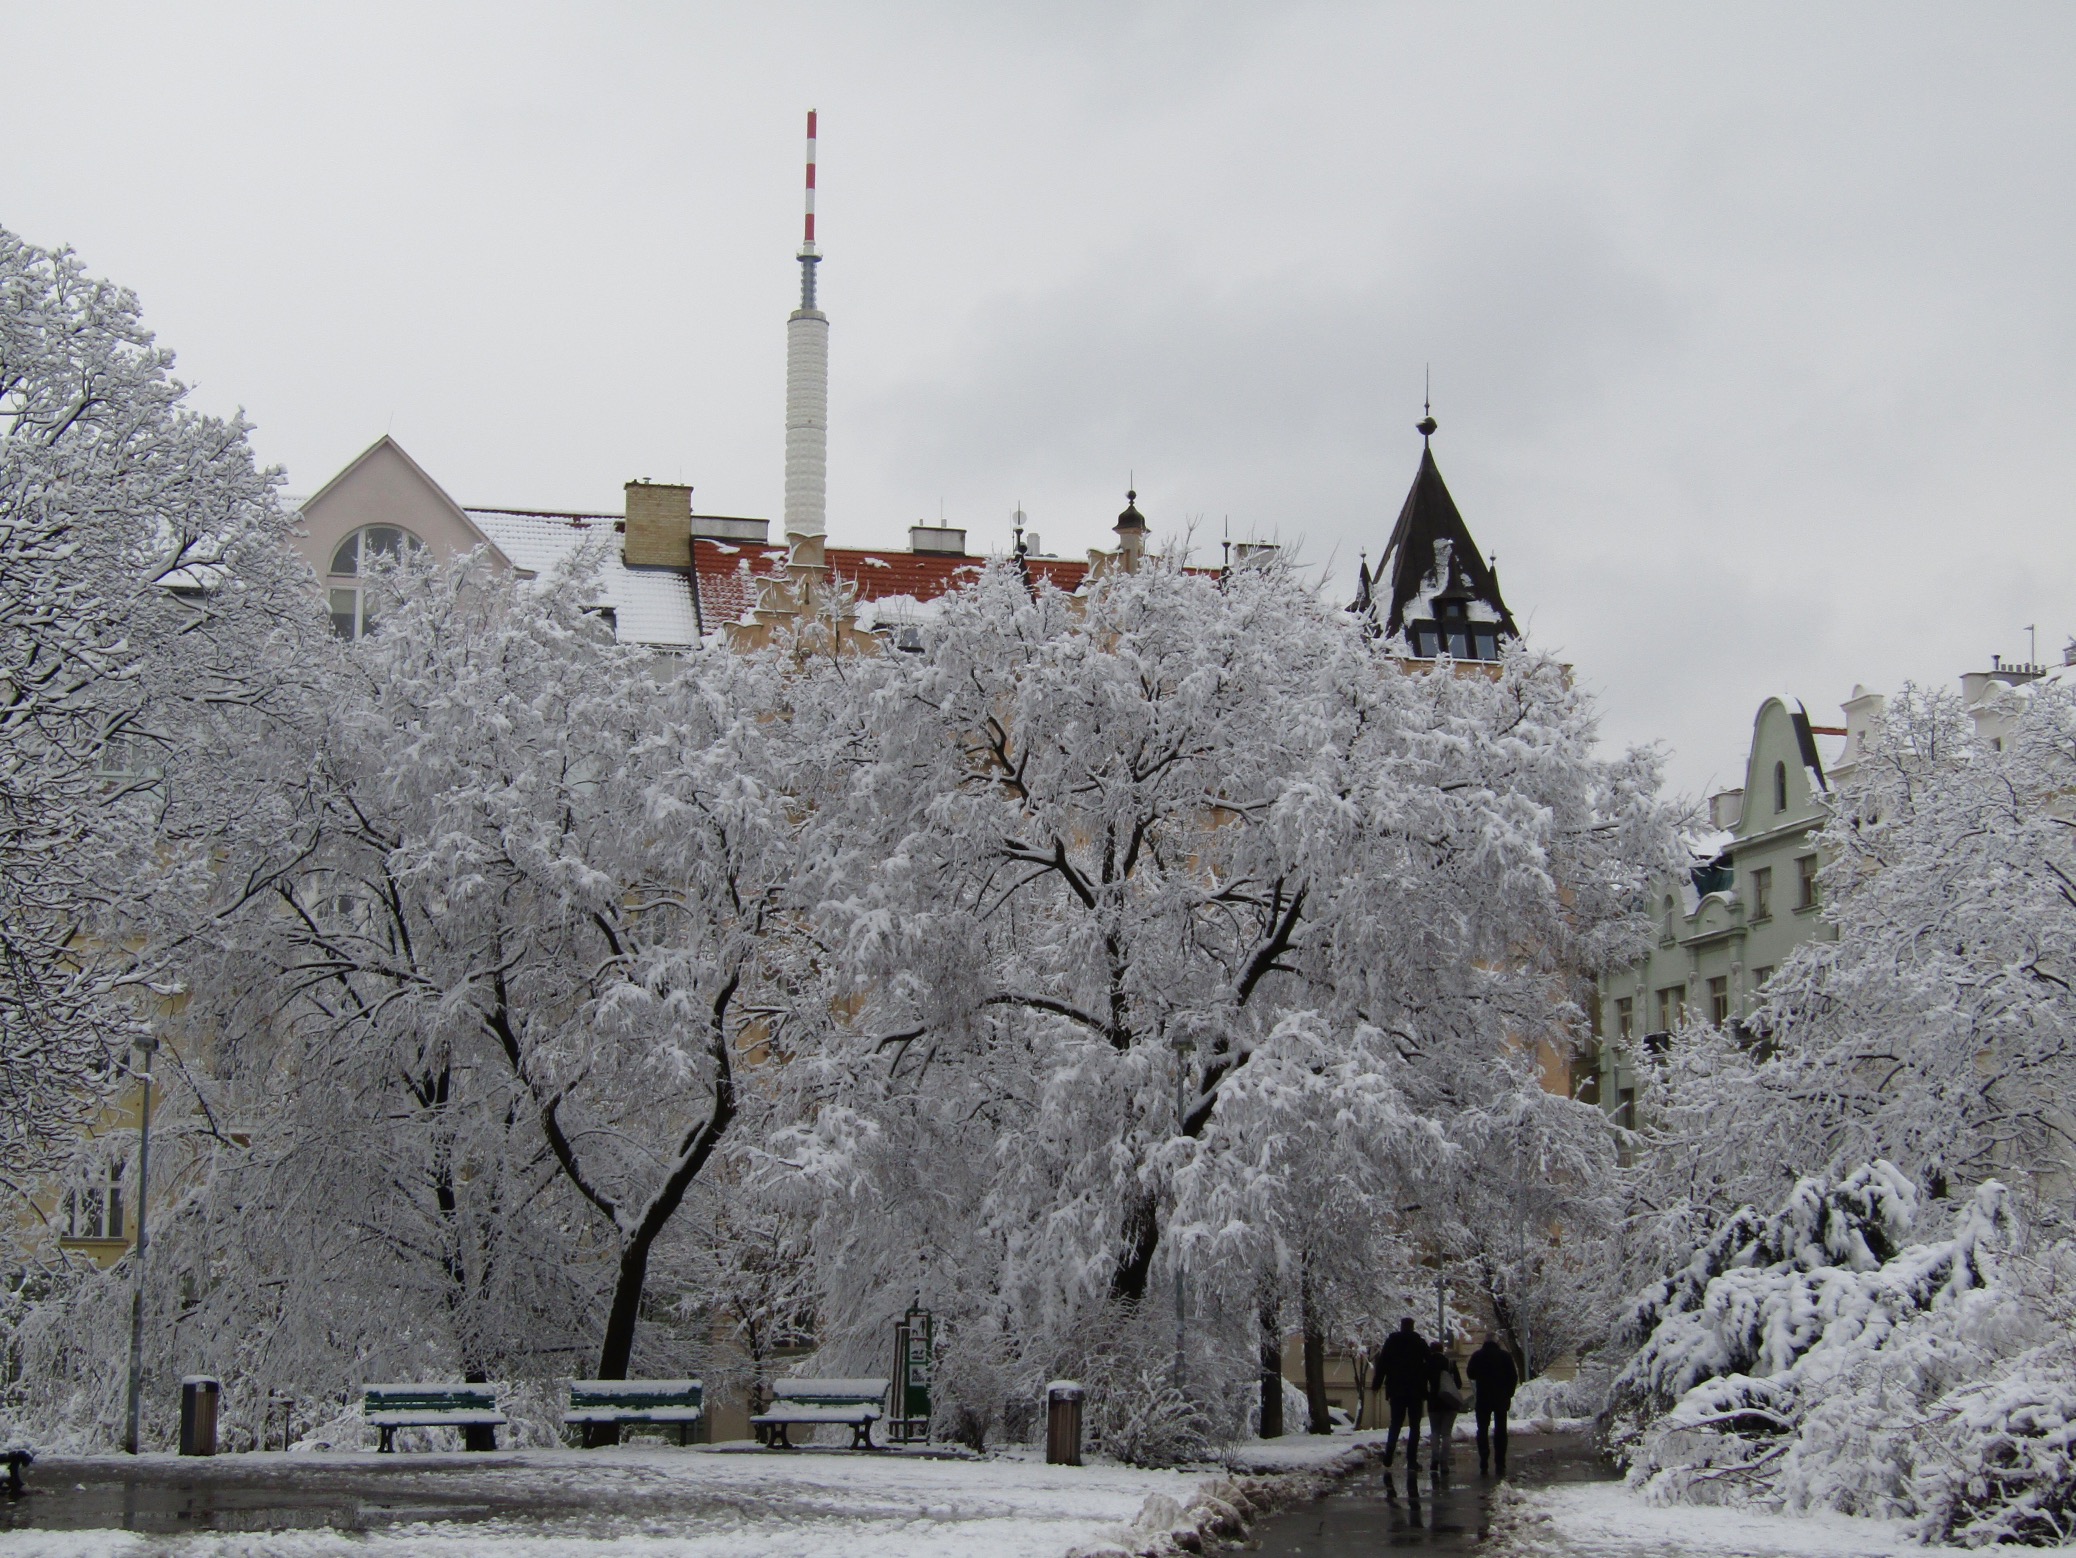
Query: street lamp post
x,y
147,1047
1182,1045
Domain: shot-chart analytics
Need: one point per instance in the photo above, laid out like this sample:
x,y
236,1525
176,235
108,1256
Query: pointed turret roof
x,y
1365,602
1432,559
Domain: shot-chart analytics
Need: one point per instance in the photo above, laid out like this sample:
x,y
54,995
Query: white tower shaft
x,y
807,399
807,424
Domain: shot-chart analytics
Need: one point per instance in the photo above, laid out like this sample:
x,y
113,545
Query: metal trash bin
x,y
1063,1423
199,1395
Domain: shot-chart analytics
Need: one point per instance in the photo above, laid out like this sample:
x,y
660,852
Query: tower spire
x,y
808,258
807,399
1427,424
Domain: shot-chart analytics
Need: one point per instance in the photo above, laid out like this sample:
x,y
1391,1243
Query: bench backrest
x,y
830,1392
430,1398
635,1395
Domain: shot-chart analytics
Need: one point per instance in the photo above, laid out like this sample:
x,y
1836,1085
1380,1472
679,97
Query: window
x,y
1806,882
1780,787
1762,893
1487,645
1426,644
94,1207
1459,645
352,616
368,543
1719,1001
1625,1019
1672,1007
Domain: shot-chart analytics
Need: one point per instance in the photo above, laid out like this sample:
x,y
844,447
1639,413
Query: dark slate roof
x,y
1403,575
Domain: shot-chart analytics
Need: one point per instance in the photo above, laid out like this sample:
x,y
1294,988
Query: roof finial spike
x,y
1427,423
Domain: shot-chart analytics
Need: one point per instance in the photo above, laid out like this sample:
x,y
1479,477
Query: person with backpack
x,y
1494,1377
1401,1374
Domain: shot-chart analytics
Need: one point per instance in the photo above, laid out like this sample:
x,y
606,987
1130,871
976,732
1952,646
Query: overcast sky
x,y
1752,327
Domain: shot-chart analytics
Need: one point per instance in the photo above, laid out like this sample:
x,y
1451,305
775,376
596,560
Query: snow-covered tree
x,y
502,949
1184,833
1863,1351
148,601
1938,1032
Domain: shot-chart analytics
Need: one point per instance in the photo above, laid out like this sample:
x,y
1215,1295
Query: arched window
x,y
1780,786
351,616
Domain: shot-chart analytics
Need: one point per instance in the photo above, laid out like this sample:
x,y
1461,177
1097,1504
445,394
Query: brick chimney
x,y
659,526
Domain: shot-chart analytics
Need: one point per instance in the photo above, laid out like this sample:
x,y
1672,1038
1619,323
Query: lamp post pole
x,y
147,1047
1182,1046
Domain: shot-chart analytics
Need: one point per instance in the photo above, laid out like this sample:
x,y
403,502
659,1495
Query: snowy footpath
x,y
1607,1520
660,1503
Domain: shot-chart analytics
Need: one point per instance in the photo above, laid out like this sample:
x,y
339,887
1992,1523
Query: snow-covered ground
x,y
647,1502
1607,1520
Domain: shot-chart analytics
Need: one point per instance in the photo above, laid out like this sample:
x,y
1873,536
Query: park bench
x,y
855,1403
390,1407
14,1460
678,1401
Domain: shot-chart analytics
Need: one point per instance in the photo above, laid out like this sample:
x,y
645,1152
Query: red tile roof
x,y
727,574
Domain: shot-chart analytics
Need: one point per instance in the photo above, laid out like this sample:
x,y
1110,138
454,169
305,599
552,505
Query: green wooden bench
x,y
390,1407
679,1401
856,1403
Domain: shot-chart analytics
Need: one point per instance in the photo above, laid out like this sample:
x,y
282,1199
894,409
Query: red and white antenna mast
x,y
808,258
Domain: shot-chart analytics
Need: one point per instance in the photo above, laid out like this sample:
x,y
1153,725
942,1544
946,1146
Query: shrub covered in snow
x,y
1816,1358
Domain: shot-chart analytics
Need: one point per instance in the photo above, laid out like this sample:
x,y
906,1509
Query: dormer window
x,y
351,616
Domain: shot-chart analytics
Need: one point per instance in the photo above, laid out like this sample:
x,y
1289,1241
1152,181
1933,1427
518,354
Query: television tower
x,y
807,400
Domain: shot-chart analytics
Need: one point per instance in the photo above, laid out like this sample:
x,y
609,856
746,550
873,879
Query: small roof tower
x,y
1433,587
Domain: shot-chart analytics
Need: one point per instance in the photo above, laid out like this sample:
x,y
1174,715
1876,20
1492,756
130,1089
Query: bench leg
x,y
861,1436
388,1441
682,1440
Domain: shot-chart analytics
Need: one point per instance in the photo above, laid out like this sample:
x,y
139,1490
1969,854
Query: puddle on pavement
x,y
168,1507
1373,1509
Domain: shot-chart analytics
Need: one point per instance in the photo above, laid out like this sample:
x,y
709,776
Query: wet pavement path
x,y
1373,1510
162,1496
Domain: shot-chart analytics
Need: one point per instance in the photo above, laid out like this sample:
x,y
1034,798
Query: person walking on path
x,y
1402,1375
1492,1373
1444,1401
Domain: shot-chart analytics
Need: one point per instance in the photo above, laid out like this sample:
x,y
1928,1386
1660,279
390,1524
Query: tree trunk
x,y
1315,1362
1271,1371
477,1436
618,1348
1142,1236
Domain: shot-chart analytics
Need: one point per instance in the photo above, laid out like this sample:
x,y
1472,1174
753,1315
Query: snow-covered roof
x,y
1431,557
649,605
892,586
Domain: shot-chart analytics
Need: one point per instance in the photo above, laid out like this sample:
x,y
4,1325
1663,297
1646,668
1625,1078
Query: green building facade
x,y
1725,925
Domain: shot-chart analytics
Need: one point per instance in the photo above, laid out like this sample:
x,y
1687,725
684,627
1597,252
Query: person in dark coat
x,y
1492,1375
1401,1374
1444,1401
